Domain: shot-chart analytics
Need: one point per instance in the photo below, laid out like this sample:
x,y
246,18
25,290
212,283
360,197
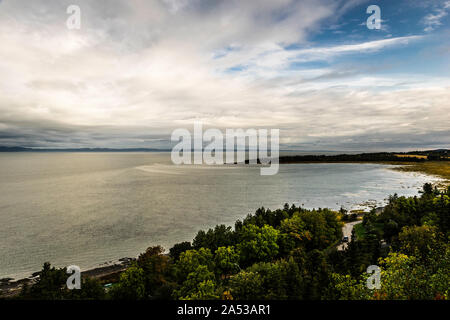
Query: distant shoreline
x,y
413,156
318,154
23,149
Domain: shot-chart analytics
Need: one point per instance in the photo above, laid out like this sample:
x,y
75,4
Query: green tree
x,y
345,287
316,229
190,260
257,244
281,280
157,272
423,242
402,277
199,285
226,261
295,229
91,289
179,248
220,236
51,284
246,286
427,189
131,285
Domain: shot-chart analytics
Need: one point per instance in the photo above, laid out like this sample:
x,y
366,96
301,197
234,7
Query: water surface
x,y
90,208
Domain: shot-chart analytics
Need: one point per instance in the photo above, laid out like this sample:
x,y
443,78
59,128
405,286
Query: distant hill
x,y
13,149
412,156
22,149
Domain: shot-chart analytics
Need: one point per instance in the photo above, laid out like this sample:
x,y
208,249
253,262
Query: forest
x,y
287,254
395,157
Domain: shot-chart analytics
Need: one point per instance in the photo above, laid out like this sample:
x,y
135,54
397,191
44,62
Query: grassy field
x,y
411,156
436,168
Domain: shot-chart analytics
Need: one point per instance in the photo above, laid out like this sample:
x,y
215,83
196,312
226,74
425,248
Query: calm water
x,y
90,208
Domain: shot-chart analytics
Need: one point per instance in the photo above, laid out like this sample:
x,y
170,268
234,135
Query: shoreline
x,y
10,287
436,169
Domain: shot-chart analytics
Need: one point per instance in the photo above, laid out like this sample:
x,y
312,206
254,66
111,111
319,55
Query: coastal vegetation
x,y
290,253
389,157
436,168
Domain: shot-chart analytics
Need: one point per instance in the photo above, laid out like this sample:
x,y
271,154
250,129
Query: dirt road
x,y
347,232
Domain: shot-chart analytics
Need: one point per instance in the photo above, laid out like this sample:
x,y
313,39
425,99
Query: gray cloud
x,y
139,69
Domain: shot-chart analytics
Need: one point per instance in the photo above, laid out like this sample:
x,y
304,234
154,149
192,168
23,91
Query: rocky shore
x,y
106,274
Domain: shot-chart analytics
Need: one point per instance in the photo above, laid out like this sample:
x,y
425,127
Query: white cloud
x,y
270,60
433,20
141,68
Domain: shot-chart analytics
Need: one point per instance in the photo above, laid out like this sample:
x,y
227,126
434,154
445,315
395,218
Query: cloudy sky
x,y
138,69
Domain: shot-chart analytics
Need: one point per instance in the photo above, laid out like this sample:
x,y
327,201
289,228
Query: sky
x,y
138,69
